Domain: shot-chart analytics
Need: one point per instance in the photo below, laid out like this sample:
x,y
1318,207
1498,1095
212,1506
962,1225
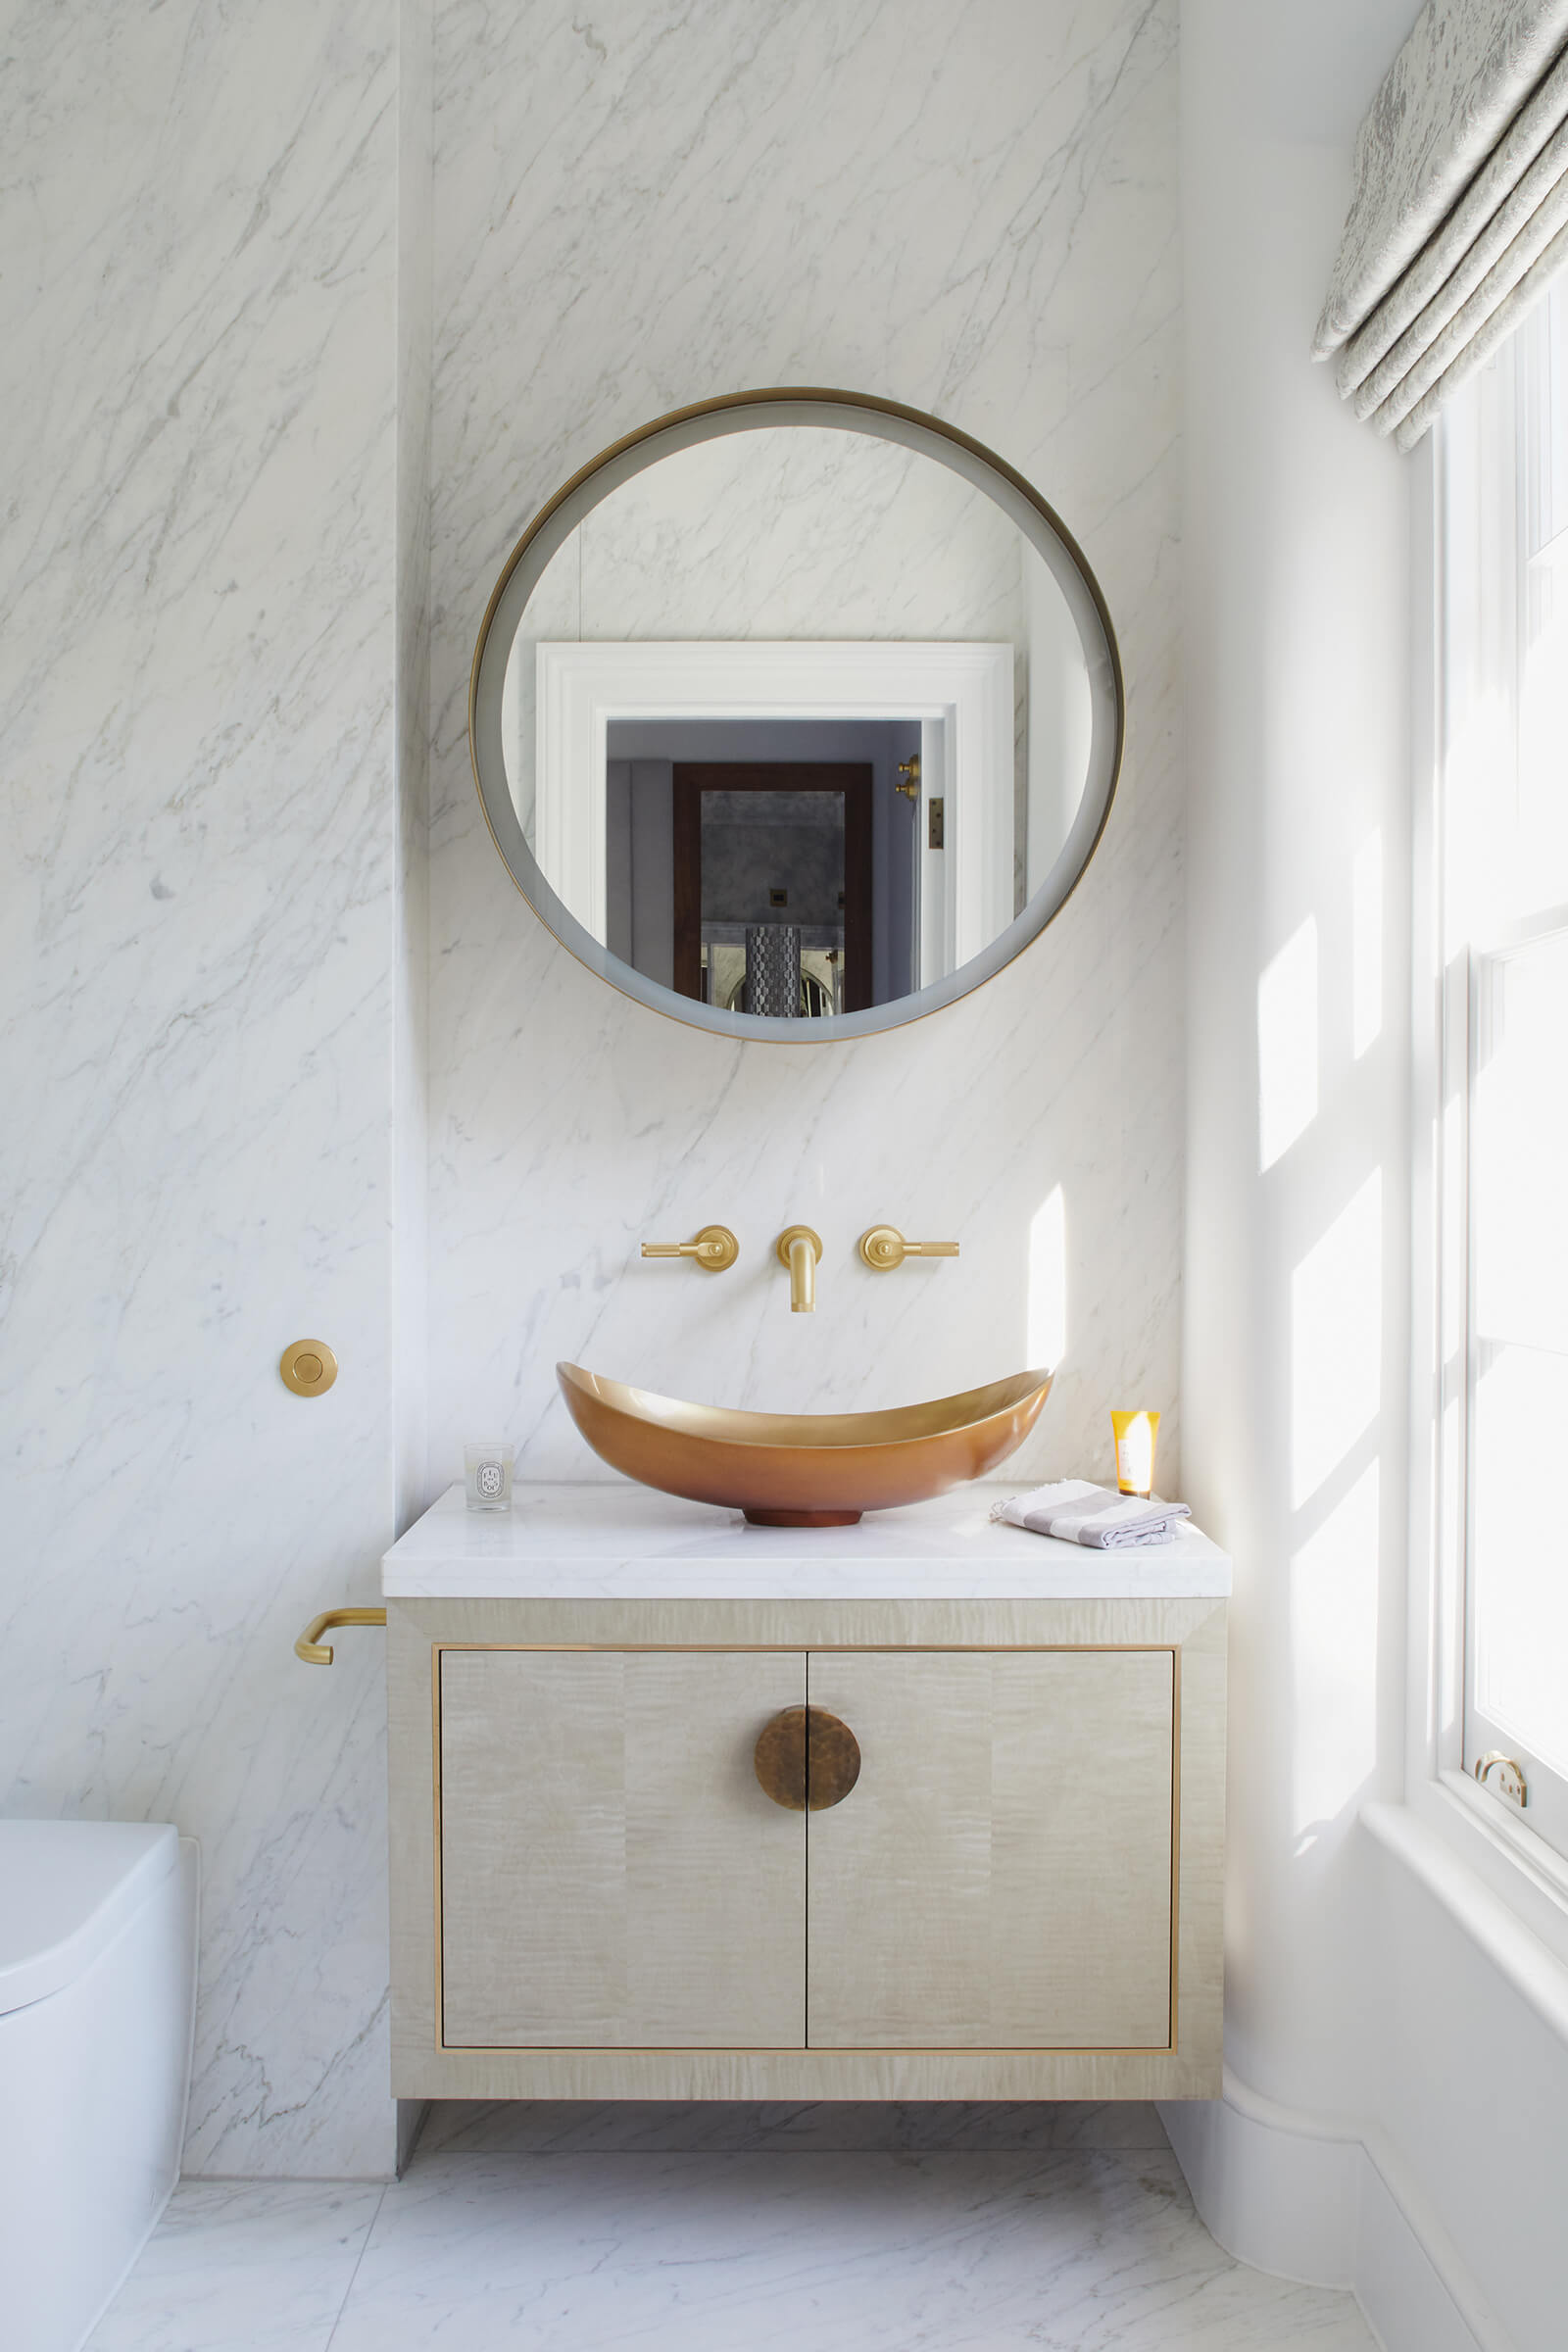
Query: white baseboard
x,y
1312,2201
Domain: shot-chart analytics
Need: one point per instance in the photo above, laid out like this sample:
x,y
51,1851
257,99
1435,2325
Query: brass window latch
x,y
714,1249
885,1247
1503,1777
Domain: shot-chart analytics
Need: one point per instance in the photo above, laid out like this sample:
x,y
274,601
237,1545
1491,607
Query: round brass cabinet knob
x,y
806,1759
307,1366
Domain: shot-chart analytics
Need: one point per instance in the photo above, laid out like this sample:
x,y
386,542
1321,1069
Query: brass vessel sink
x,y
802,1469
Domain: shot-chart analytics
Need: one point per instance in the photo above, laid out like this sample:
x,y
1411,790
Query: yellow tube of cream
x,y
1136,1434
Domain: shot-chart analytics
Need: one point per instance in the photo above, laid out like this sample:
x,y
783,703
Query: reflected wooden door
x,y
693,779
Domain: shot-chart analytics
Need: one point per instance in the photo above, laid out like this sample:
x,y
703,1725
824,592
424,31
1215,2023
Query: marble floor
x,y
837,2228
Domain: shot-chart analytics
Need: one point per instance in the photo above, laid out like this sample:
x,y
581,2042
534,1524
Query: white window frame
x,y
1495,1840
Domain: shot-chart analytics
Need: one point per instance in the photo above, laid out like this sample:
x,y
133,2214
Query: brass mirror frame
x,y
749,411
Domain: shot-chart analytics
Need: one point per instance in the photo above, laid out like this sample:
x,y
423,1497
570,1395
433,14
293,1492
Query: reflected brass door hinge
x,y
933,833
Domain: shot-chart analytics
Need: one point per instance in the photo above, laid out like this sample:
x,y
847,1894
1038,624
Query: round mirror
x,y
796,714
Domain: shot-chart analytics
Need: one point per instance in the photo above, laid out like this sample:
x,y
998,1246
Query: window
x,y
1505,942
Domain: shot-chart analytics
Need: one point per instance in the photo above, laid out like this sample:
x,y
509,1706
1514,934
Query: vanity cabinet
x,y
1000,1876
594,1896
610,1874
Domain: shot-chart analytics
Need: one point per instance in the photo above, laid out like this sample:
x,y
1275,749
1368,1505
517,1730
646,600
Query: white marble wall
x,y
215,261
972,210
197,655
411,1091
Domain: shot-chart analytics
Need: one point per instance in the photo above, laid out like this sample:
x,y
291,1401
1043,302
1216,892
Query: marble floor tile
x,y
583,2127
242,2266
1055,2250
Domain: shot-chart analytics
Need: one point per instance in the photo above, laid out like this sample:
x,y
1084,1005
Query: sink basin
x,y
802,1469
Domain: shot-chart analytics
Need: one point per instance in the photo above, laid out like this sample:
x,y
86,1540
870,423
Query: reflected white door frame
x,y
962,694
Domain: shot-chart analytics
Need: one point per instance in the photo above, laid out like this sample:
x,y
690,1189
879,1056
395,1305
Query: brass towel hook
x,y
314,1650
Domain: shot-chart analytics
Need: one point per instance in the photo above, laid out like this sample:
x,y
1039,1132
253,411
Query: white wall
x,y
197,651
1352,1996
974,211
218,271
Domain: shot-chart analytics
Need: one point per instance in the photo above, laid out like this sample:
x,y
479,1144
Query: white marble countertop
x,y
624,1541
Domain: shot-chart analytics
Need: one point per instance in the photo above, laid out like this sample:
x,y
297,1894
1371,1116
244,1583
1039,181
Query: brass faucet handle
x,y
885,1247
714,1249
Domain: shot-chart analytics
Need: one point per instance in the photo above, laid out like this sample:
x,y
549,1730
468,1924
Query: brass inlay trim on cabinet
x,y
1175,1832
808,2050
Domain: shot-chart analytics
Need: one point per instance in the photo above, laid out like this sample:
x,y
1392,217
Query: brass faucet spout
x,y
799,1249
802,1277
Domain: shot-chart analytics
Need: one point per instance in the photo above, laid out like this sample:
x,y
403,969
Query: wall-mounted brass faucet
x,y
714,1249
799,1249
799,1252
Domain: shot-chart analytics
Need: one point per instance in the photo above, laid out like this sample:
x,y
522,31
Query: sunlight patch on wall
x,y
1335,1341
1048,1281
1287,1045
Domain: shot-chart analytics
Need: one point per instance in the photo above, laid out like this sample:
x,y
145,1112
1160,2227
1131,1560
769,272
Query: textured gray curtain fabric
x,y
1461,213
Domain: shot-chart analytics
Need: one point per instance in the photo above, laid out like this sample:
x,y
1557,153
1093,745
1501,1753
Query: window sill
x,y
1508,1835
1506,1908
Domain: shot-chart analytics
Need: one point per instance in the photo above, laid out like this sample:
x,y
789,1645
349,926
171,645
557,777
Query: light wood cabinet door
x,y
610,1874
1000,1878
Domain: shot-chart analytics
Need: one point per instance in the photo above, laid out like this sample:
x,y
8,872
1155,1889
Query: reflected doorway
x,y
772,872
779,875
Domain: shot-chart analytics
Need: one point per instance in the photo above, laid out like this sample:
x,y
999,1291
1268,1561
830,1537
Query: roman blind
x,y
1460,218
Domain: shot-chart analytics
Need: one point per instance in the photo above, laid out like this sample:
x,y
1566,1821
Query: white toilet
x,y
97,1995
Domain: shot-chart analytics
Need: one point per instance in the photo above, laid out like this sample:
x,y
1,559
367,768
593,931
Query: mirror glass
x,y
795,715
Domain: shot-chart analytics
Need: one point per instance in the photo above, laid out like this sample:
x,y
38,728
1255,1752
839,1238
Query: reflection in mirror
x,y
732,844
797,722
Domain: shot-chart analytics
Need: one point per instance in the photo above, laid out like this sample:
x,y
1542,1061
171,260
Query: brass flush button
x,y
308,1367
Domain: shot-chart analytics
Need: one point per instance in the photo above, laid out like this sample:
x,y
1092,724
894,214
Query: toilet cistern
x,y
799,1249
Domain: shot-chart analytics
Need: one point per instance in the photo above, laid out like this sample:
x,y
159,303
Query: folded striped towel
x,y
1078,1513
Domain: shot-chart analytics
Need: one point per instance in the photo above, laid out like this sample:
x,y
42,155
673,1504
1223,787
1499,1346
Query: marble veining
x,y
809,532
243,2265
1068,2250
197,370
225,251
591,1542
972,211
